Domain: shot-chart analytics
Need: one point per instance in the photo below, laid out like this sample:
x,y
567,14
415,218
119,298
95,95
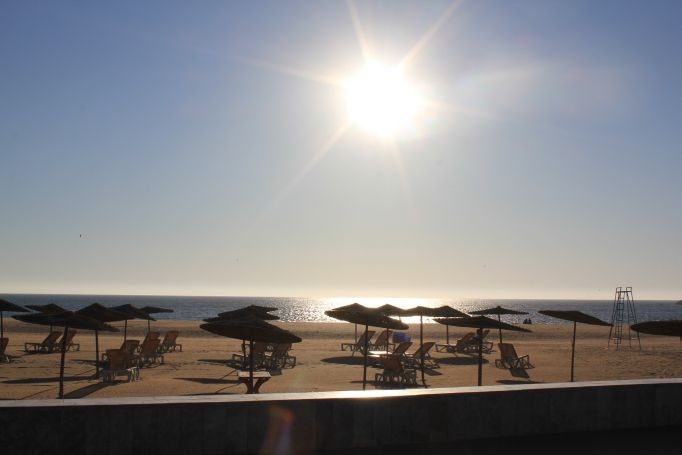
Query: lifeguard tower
x,y
623,312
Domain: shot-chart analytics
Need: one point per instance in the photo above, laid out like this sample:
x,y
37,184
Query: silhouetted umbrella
x,y
575,317
251,310
154,309
260,312
11,307
132,313
421,311
480,323
102,314
253,329
672,328
351,307
50,308
67,319
446,311
499,311
390,310
367,317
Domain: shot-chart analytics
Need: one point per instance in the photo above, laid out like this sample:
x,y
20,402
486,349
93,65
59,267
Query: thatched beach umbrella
x,y
251,310
351,307
49,308
367,317
421,311
446,311
260,312
672,328
154,309
132,313
11,307
480,323
575,317
67,319
251,328
102,314
499,311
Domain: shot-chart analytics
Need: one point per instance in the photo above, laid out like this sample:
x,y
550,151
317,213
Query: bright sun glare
x,y
381,101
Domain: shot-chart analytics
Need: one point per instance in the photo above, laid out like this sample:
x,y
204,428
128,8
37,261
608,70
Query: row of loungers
x,y
268,356
53,342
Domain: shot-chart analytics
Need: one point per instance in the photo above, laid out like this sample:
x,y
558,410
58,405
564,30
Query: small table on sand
x,y
259,377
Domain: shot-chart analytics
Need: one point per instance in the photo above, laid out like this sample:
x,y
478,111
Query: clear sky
x,y
209,148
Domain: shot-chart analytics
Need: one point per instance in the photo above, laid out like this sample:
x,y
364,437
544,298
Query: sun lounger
x,y
399,352
149,353
169,342
279,357
120,364
49,344
69,341
359,345
509,359
3,348
382,342
414,359
394,373
128,346
147,337
259,349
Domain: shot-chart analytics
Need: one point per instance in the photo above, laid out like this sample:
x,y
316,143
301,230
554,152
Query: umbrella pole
x,y
499,319
149,326
125,331
480,356
96,354
421,344
251,365
2,326
573,350
364,370
61,363
447,334
243,354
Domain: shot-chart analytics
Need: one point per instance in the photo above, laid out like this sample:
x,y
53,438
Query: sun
x,y
382,101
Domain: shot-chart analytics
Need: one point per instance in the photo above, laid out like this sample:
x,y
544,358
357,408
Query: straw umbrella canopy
x,y
499,311
251,310
446,311
154,309
8,306
131,312
575,317
480,323
102,314
260,312
672,328
351,307
50,308
67,319
421,311
367,317
253,329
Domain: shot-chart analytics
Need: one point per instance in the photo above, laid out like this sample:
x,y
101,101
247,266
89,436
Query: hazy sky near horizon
x,y
182,148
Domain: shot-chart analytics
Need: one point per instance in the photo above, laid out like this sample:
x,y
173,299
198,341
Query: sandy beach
x,y
202,368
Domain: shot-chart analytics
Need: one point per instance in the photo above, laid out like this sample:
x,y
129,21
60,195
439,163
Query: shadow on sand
x,y
87,390
461,361
347,360
46,380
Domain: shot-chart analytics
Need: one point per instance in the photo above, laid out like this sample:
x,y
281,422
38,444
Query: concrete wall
x,y
333,420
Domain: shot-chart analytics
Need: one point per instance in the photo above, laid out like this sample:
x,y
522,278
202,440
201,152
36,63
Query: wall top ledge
x,y
350,394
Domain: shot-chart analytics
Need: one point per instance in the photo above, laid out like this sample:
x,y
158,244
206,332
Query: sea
x,y
304,309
